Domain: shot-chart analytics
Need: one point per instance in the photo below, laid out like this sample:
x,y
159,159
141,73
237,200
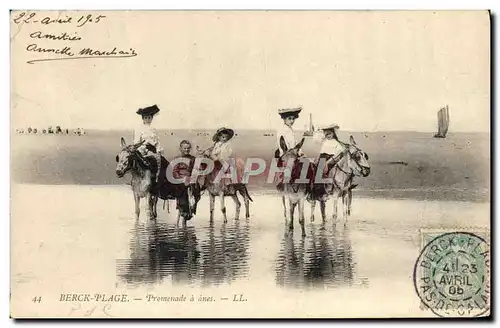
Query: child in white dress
x,y
331,147
221,152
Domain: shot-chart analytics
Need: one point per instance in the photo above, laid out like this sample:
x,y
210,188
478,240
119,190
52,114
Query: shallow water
x,y
211,256
85,238
248,250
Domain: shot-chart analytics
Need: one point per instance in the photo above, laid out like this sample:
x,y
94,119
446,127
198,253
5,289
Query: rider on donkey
x,y
330,152
331,147
221,152
288,115
146,134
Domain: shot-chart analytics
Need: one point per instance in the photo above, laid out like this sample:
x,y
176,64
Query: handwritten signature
x,y
85,53
80,21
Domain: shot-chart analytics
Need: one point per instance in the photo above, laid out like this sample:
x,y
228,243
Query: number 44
x,y
37,299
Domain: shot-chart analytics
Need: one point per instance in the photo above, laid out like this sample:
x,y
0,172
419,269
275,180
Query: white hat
x,y
330,127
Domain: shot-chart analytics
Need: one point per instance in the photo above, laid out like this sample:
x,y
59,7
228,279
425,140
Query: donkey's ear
x,y
123,143
353,142
299,145
283,144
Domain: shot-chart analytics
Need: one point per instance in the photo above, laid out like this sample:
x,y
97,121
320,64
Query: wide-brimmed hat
x,y
330,127
229,132
151,110
284,112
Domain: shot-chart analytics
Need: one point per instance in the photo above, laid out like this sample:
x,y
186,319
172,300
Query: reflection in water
x,y
225,256
160,250
323,259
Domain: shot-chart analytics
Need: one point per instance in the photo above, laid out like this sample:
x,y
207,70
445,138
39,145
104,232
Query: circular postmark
x,y
452,276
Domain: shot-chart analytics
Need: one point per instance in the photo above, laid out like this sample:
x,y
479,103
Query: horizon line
x,y
257,129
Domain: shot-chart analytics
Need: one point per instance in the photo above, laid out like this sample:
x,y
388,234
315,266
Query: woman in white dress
x,y
146,134
288,115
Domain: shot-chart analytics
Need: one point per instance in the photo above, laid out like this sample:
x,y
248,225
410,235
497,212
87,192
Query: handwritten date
x,y
79,21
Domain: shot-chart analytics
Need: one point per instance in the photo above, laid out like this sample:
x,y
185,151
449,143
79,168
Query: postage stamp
x,y
452,273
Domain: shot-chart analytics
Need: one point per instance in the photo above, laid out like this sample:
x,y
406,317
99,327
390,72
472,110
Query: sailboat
x,y
309,130
443,122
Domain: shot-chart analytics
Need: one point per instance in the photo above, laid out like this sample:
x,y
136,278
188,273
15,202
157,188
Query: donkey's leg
x,y
137,206
292,205
223,205
153,207
335,201
322,206
244,193
238,206
155,203
349,202
247,206
284,207
149,206
343,200
301,216
313,208
344,205
212,206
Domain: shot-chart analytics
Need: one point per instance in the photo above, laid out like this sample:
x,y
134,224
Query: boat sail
x,y
310,129
443,122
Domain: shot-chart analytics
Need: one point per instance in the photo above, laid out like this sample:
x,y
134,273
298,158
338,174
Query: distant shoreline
x,y
403,165
87,130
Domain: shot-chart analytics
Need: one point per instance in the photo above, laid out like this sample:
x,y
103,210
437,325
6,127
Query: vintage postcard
x,y
250,164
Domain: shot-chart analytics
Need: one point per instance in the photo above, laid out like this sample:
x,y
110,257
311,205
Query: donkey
x,y
129,160
351,162
221,190
293,192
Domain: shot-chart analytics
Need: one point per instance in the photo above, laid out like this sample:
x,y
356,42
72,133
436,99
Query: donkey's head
x,y
125,158
358,159
292,152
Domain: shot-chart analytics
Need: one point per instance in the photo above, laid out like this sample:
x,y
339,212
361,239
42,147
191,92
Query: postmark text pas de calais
x,y
452,274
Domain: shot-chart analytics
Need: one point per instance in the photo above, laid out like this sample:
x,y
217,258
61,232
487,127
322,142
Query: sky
x,y
366,71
